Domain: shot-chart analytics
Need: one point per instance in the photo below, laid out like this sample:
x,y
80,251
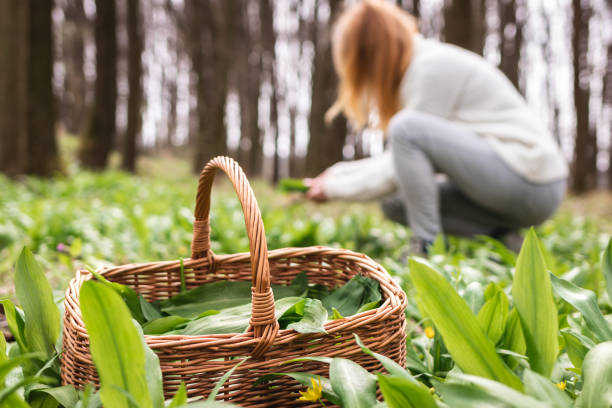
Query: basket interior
x,y
159,281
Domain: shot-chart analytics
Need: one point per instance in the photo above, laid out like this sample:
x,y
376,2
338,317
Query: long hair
x,y
371,48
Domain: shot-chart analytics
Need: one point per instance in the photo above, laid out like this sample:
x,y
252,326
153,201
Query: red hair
x,y
371,47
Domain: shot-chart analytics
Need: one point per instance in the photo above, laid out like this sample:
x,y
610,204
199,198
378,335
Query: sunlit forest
x,y
400,262
252,79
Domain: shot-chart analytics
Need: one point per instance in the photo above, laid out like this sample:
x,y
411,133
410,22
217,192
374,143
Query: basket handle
x,y
263,321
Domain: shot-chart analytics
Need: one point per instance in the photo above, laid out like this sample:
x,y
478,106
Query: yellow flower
x,y
313,393
561,385
430,333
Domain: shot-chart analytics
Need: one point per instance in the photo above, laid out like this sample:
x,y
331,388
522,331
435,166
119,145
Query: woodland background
x,y
253,78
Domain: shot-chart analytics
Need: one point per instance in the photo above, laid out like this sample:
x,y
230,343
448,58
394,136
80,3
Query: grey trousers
x,y
481,194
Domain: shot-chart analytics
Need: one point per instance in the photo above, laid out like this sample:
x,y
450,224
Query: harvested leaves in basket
x,y
225,306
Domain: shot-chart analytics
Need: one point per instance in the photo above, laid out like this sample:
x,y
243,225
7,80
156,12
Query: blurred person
x,y
444,110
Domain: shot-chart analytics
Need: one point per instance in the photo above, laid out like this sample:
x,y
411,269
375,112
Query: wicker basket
x,y
200,361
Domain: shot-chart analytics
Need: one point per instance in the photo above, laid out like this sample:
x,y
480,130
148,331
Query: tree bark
x,y
326,141
511,35
14,17
74,98
99,134
584,166
134,118
413,7
247,80
465,24
607,101
42,159
268,62
547,53
206,20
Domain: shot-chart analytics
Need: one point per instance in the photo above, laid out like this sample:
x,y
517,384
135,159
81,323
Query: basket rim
x,y
395,299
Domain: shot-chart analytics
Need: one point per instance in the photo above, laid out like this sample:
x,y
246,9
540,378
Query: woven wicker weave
x,y
200,361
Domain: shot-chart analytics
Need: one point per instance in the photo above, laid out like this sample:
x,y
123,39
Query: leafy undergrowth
x,y
115,218
485,325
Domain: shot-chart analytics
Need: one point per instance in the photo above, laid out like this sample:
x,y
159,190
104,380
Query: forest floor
x,y
113,218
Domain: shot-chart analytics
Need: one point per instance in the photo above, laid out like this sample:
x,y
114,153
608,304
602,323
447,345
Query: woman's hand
x,y
316,192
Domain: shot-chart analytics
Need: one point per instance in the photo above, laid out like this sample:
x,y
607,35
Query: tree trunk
x,y
247,72
134,118
42,159
14,17
547,53
607,101
584,167
413,7
268,62
511,35
99,133
73,102
209,51
465,24
172,89
326,141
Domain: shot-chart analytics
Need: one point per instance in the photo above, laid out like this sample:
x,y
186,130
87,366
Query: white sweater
x,y
460,86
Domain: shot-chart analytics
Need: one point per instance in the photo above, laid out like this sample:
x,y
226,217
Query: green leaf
x,y
149,311
368,306
288,185
350,297
597,377
304,379
5,392
492,316
473,352
42,319
391,366
180,398
313,317
153,373
352,383
66,395
212,296
336,314
513,338
489,394
399,392
129,296
543,389
606,268
585,301
182,271
474,296
215,391
533,300
14,400
76,248
577,346
224,294
115,345
165,324
233,319
8,365
3,356
509,395
15,323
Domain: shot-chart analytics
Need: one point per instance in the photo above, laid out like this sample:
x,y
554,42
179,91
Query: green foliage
x,y
463,337
288,185
42,320
115,218
115,347
533,299
597,369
